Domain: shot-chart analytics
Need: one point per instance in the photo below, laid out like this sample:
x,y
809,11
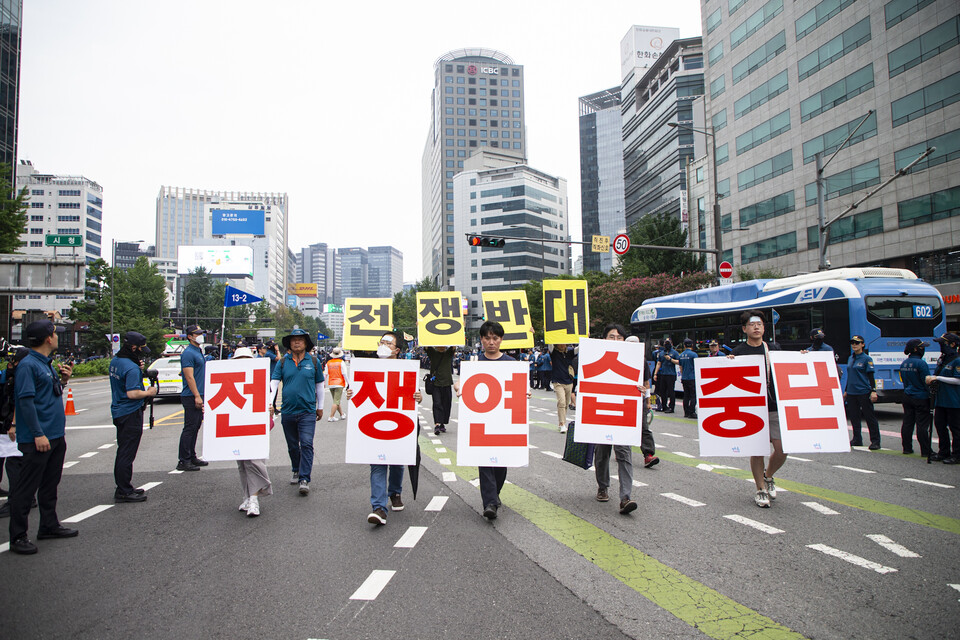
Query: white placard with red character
x,y
382,420
732,406
236,402
809,402
493,430
609,401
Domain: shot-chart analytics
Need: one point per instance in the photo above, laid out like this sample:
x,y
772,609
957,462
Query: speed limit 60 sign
x,y
621,244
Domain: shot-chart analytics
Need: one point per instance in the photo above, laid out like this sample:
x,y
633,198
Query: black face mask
x,y
948,349
817,341
126,351
919,351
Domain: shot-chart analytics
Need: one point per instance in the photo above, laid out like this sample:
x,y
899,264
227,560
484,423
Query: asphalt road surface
x,y
859,545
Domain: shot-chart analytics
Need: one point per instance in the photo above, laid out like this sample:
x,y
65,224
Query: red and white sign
x,y
621,244
726,269
493,430
382,420
809,402
236,409
732,406
610,402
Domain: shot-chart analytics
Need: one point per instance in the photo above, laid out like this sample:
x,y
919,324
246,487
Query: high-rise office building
x,y
384,272
317,263
477,103
515,200
125,254
601,173
353,272
10,13
59,206
655,155
789,79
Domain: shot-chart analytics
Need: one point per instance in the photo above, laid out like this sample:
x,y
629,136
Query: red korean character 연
x,y
514,396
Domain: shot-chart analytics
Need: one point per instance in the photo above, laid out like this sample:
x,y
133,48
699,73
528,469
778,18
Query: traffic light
x,y
486,241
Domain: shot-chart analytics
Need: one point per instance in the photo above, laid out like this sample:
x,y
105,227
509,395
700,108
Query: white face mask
x,y
200,339
383,351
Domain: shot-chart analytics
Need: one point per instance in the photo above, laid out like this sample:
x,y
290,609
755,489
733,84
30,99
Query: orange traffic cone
x,y
70,410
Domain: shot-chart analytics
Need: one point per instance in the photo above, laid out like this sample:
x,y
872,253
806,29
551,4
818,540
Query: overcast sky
x,y
327,102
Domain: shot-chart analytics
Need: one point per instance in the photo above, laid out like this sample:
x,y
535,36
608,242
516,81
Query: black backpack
x,y
7,394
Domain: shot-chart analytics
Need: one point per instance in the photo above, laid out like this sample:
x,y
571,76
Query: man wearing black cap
x,y
126,407
916,398
192,370
946,412
860,392
688,379
817,343
41,426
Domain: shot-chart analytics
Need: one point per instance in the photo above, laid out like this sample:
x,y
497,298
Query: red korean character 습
x,y
622,412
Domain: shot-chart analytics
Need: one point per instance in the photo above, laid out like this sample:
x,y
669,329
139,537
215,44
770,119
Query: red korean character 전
x,y
400,389
619,413
739,378
255,391
823,391
515,402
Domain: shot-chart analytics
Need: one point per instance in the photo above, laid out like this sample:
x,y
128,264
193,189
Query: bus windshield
x,y
902,316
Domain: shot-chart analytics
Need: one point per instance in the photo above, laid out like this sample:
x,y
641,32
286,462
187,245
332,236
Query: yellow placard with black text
x,y
440,319
364,321
566,311
511,310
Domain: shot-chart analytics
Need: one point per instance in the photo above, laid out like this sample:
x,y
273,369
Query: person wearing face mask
x,y
817,343
192,365
916,398
946,412
126,408
860,393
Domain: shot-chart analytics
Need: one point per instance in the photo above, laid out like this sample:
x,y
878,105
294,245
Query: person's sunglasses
x,y
856,342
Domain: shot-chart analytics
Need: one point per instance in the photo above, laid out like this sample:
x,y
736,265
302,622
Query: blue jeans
x,y
298,429
379,488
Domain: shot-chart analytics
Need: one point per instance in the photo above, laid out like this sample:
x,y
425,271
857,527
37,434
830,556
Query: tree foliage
x,y
745,273
658,229
13,211
405,305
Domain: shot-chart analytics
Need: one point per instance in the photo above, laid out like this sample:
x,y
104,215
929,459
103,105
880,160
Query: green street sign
x,y
63,241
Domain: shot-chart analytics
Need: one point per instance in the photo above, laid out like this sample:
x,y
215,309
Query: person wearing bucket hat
x,y
946,412
302,405
860,393
192,370
126,409
916,398
335,372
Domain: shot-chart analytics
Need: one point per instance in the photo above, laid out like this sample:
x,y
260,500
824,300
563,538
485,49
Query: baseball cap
x,y
714,343
913,344
856,338
952,338
687,342
192,329
37,332
136,340
816,333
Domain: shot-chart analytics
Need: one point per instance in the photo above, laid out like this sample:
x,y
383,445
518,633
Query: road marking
x,y
670,435
475,482
83,515
819,508
852,559
892,546
759,526
530,446
840,466
449,476
552,454
436,441
150,485
373,585
927,482
441,449
89,454
410,538
106,446
954,586
683,455
799,459
92,426
436,503
174,472
637,483
67,465
705,467
445,461
686,501
6,545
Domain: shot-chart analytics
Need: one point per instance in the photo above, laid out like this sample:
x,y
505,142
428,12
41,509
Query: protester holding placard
x,y
254,479
860,394
752,324
441,373
561,362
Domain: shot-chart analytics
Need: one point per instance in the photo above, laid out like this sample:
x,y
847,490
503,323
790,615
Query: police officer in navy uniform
x,y
817,343
126,408
946,412
192,370
41,425
860,393
916,398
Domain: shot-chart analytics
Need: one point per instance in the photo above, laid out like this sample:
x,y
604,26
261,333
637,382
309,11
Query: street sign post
x,y
621,244
726,269
600,244
54,240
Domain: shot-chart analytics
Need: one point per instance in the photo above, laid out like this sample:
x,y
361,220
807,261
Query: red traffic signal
x,y
486,241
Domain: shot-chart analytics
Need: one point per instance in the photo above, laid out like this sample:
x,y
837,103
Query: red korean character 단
x,y
400,387
229,392
514,400
618,414
738,377
822,391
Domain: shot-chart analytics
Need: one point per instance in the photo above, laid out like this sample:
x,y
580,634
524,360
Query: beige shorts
x,y
337,394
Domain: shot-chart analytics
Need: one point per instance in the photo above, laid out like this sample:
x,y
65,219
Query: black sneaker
x,y
23,546
187,466
59,532
436,430
936,457
199,462
874,446
443,429
490,512
951,460
130,497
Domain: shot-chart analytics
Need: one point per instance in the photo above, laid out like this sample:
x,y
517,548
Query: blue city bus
x,y
886,306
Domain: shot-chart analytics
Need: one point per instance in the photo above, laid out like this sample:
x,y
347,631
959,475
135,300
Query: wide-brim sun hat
x,y
296,333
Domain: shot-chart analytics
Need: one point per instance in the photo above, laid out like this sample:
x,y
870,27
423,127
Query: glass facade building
x,y
10,12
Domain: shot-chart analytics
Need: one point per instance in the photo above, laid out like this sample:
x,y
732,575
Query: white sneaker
x,y
245,505
254,509
330,420
336,418
562,428
771,487
295,479
762,499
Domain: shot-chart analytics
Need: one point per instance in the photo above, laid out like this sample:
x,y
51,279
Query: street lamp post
x,y
717,230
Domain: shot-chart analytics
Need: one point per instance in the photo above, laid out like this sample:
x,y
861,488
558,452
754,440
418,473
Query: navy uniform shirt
x,y
299,383
858,382
125,376
687,371
192,356
913,373
948,395
35,378
667,368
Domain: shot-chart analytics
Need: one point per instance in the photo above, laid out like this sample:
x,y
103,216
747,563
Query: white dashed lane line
x,y
954,586
373,585
475,482
174,472
840,466
852,559
410,538
83,515
67,465
799,459
670,435
435,441
445,461
150,485
928,483
441,449
552,454
759,526
683,455
892,546
89,454
687,501
819,508
105,446
436,503
449,476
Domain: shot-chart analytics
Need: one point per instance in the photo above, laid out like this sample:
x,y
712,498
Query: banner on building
x,y
732,406
382,420
302,289
609,397
365,320
809,402
237,421
566,311
511,310
440,319
493,430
